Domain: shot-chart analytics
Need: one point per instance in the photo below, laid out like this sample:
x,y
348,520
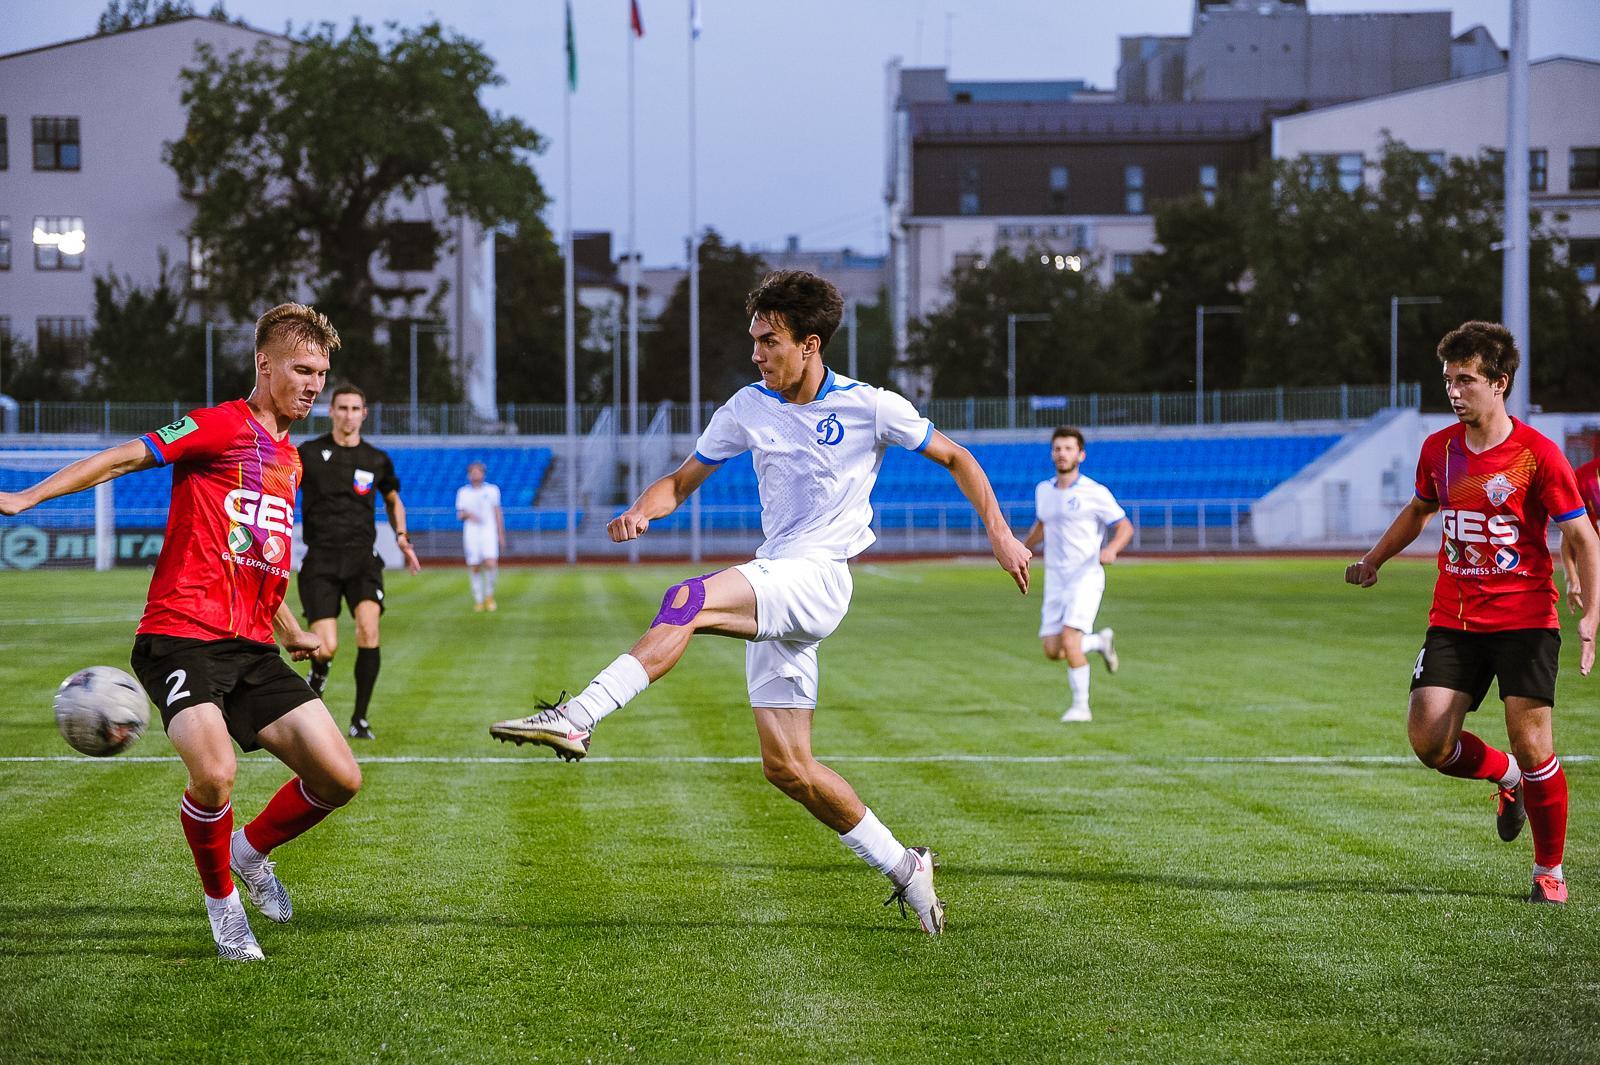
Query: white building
x,y
84,192
1466,118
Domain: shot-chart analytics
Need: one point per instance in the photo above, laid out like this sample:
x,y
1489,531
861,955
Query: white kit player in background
x,y
1072,514
483,533
817,441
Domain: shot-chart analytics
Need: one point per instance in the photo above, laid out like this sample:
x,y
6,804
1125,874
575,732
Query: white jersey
x,y
815,462
478,504
1075,520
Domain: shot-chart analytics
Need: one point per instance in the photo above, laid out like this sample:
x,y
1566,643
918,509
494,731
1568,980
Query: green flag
x,y
572,52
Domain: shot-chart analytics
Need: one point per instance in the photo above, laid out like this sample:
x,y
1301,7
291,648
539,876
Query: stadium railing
x,y
1093,410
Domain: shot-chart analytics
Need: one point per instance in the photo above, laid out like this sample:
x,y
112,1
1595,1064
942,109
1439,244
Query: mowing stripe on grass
x,y
910,759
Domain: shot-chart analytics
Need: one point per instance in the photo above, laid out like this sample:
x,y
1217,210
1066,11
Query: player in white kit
x,y
817,440
1072,513
483,533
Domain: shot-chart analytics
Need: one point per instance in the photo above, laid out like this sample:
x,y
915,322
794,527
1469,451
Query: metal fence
x,y
1094,410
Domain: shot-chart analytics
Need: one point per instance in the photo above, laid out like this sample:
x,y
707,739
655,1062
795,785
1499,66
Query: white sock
x,y
1513,775
243,851
216,907
611,690
1078,677
1092,643
477,586
488,581
1548,870
874,844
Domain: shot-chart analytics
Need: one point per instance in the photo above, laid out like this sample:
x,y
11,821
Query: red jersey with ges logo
x,y
1494,564
224,566
1589,488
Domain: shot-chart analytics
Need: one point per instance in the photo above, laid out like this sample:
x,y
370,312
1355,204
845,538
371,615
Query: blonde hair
x,y
298,324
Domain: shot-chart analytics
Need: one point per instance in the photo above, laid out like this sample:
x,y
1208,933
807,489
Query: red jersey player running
x,y
1499,484
1589,488
204,649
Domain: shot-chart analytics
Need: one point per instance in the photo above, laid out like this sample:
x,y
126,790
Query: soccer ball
x,y
101,711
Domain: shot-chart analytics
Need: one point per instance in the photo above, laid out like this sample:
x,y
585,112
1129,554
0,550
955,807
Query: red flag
x,y
635,19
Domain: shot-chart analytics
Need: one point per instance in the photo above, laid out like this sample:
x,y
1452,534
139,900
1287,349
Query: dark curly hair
x,y
1491,342
801,302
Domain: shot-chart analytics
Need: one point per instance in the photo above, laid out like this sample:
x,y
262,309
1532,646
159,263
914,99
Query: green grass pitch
x,y
1236,861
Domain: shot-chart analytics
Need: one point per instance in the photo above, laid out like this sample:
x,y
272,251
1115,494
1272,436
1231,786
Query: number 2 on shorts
x,y
176,679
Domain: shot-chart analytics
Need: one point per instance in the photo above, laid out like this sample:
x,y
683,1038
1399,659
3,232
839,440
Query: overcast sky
x,y
791,92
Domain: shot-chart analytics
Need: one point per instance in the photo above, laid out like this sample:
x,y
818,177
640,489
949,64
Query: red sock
x,y
1475,760
1545,796
293,810
208,832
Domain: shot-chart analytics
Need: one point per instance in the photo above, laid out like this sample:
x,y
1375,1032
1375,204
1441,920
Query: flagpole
x,y
569,302
633,305
694,283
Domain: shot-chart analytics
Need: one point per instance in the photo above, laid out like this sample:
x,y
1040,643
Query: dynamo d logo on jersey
x,y
830,430
1499,489
363,482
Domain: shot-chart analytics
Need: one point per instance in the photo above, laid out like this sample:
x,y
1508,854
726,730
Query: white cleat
x,y
231,929
549,727
1077,713
1108,649
918,893
266,891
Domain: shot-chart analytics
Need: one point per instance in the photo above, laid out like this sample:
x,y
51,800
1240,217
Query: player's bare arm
x,y
85,473
1035,536
291,637
1569,567
1121,536
660,499
500,525
397,521
1405,528
1579,535
974,484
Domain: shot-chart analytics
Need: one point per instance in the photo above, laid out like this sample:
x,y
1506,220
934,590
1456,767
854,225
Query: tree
x,y
144,347
530,325
1090,343
299,155
728,274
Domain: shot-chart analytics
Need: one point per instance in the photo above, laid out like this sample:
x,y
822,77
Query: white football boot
x,y
1108,649
231,929
918,892
549,727
266,891
1077,712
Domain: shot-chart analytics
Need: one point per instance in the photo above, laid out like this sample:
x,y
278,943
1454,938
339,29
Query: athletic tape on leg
x,y
689,610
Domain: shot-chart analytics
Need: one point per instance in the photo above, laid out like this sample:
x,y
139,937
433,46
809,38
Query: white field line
x,y
929,759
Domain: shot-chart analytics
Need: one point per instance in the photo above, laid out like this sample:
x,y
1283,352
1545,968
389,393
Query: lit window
x,y
1584,255
58,243
1345,169
1133,189
55,144
1060,178
199,259
968,203
1427,183
1208,185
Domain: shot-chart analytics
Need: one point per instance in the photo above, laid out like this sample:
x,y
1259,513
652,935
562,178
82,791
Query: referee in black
x,y
343,478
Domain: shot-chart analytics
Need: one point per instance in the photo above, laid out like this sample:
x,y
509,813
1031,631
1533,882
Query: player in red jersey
x,y
1588,476
204,649
1498,484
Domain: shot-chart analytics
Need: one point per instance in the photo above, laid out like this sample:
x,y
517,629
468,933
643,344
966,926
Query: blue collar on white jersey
x,y
829,384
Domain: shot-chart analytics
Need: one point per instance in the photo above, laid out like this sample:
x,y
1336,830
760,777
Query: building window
x,y
1060,181
5,145
1343,169
1122,263
1428,179
1538,170
5,243
58,243
1584,255
1208,185
63,341
1133,189
410,246
969,189
55,144
1584,169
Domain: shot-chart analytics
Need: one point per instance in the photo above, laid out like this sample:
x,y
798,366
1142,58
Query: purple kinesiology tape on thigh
x,y
682,615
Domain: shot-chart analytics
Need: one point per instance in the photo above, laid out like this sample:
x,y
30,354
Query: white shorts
x,y
1071,602
482,545
799,602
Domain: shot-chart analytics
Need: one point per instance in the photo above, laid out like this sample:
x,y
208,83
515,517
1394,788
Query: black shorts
x,y
329,574
250,681
1525,661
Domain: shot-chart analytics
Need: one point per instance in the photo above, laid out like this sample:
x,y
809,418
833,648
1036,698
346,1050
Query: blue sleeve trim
x,y
926,440
1569,515
1424,498
145,440
708,461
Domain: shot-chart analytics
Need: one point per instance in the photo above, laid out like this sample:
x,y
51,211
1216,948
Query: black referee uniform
x,y
339,490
